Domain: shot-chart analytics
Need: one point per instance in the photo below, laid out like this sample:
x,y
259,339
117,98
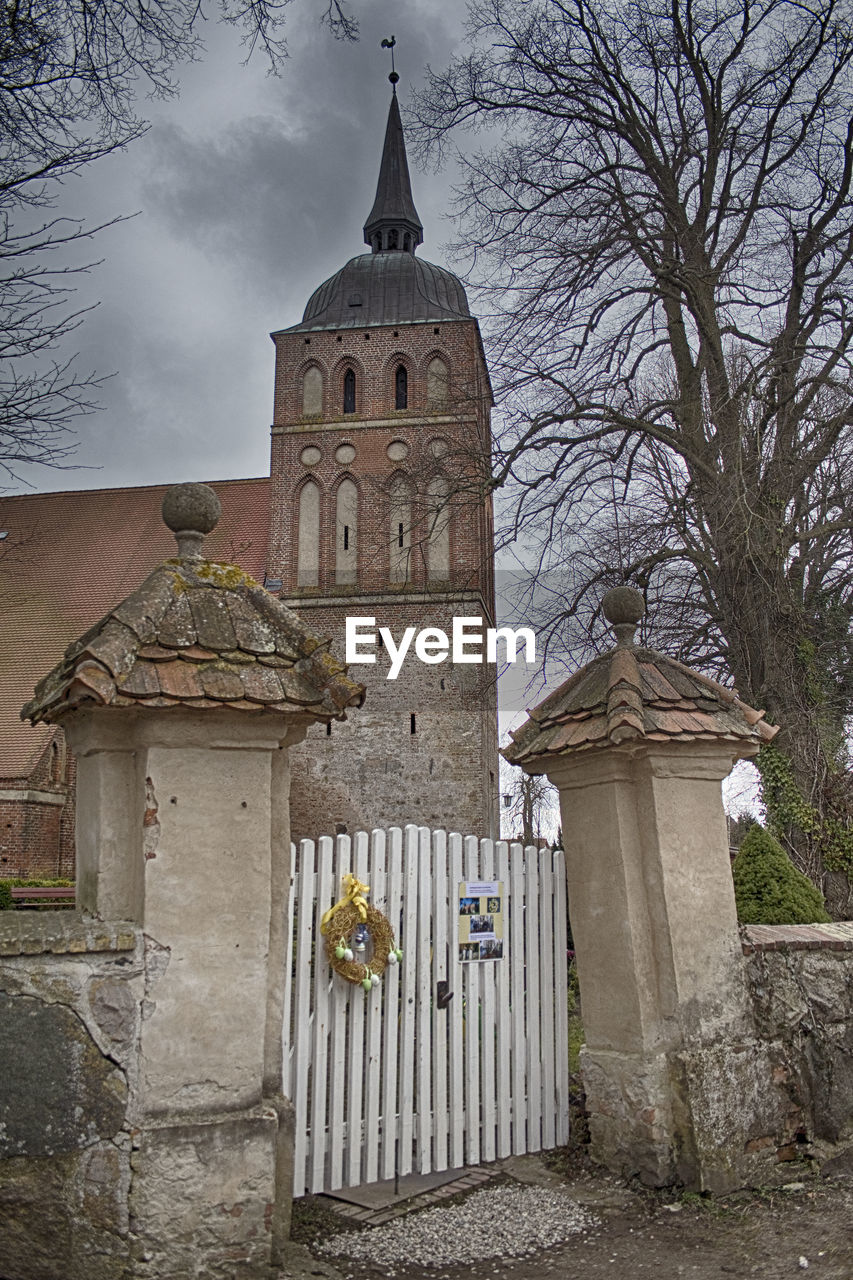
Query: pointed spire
x,y
393,222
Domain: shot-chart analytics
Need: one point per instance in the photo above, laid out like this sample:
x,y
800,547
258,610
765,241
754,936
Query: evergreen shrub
x,y
768,887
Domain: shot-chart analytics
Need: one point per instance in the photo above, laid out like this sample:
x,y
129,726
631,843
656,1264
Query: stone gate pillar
x,y
180,707
637,745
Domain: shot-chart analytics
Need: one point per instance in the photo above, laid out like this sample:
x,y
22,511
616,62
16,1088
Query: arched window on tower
x,y
393,238
349,391
438,530
346,528
401,529
401,387
312,392
438,379
308,537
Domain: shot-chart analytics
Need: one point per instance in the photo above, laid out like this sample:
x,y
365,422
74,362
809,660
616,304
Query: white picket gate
x,y
389,1082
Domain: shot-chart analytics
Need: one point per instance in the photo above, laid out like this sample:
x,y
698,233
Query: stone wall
x,y
92,1188
766,1096
800,982
71,993
73,997
422,749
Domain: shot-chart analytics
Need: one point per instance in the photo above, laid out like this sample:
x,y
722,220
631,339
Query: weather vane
x,y
389,44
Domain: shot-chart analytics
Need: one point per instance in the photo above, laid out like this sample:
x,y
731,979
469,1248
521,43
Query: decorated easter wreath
x,y
354,920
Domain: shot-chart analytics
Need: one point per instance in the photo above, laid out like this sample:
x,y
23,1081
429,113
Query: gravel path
x,y
497,1222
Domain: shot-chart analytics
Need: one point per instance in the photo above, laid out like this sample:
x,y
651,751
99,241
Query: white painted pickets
x,y
387,1081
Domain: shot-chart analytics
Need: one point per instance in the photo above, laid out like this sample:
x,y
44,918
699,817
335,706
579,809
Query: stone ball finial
x,y
190,511
623,607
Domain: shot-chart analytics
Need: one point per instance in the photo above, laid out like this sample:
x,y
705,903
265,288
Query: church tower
x,y
380,457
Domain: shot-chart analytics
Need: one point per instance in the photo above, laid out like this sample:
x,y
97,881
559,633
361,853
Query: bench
x,y
43,897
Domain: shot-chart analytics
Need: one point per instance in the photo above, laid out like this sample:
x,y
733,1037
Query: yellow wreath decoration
x,y
339,923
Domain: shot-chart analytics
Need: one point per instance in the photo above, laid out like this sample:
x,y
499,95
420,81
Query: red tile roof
x,y
631,694
71,557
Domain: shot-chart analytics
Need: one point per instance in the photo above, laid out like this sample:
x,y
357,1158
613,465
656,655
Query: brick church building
x,y
375,507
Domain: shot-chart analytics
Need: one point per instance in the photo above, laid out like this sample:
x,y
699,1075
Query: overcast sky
x,y
249,191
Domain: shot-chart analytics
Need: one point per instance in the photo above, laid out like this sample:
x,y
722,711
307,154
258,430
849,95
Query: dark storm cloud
x,y
259,202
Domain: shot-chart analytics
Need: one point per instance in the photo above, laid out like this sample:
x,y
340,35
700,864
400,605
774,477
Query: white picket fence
x,y
387,1083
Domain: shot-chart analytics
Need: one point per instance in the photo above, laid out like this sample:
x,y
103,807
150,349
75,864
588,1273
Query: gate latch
x,y
442,995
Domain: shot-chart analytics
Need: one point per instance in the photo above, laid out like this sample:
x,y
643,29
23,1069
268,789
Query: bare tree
x,y
665,227
530,805
70,73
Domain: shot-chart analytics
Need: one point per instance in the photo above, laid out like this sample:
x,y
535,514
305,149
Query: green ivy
x,y
824,674
786,807
813,685
837,846
783,800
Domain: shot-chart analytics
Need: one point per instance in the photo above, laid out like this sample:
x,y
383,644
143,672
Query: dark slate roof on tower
x,y
384,288
631,695
393,205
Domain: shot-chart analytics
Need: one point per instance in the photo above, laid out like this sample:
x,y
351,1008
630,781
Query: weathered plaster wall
x,y
70,1000
183,824
758,1094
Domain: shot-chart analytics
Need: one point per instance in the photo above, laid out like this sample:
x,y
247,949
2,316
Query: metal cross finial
x,y
389,44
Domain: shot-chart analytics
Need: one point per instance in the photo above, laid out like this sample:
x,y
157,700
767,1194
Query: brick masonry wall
x,y
66,860
375,352
800,981
37,829
461,425
373,770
